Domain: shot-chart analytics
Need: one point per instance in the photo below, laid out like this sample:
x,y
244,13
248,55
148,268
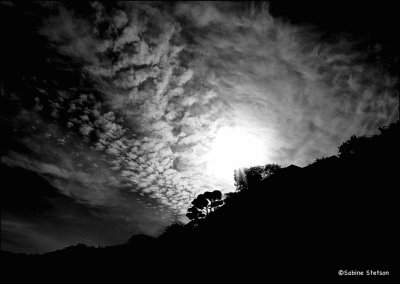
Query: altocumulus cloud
x,y
164,78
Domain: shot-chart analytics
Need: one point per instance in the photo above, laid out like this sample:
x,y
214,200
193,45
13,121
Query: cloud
x,y
164,79
81,173
39,217
282,78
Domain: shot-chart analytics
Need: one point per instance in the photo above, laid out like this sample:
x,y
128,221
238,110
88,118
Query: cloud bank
x,y
164,78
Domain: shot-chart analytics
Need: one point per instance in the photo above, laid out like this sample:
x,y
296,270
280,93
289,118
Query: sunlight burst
x,y
234,148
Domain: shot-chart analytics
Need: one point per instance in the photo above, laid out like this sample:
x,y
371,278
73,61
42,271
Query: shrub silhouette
x,y
354,146
174,228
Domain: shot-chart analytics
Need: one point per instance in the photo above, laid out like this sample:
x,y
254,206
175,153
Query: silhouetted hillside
x,y
141,239
337,213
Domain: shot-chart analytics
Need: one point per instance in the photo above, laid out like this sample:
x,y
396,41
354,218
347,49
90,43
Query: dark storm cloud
x,y
153,82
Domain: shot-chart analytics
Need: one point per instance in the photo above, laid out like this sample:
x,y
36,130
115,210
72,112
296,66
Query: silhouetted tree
x,y
195,213
204,204
254,175
270,169
215,199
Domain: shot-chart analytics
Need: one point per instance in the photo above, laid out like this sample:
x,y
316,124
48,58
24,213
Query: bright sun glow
x,y
234,148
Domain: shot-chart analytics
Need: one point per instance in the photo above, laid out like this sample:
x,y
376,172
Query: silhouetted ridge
x,y
337,213
140,240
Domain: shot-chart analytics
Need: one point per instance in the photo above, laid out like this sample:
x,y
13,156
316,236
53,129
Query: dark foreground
x,y
300,223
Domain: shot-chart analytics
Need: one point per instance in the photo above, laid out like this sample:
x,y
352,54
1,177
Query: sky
x,y
115,116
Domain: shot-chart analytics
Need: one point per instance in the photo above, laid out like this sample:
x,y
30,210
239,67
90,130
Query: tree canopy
x,y
204,204
254,175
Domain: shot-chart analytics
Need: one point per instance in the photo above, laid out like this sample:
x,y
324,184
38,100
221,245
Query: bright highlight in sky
x,y
234,148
